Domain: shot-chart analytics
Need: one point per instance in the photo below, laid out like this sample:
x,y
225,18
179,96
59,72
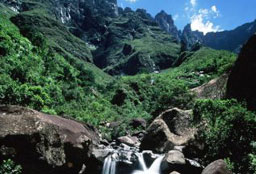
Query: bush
x,y
9,167
228,130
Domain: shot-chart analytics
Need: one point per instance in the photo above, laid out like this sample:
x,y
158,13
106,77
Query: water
x,y
153,169
109,166
110,163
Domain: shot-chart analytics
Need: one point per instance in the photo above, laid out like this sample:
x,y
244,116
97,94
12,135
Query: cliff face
x,y
190,38
166,23
241,84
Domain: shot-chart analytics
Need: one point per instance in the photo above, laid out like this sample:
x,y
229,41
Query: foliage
x,y
228,130
49,71
252,157
203,65
9,167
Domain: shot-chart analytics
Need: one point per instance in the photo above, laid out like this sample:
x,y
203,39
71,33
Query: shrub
x,y
9,167
228,130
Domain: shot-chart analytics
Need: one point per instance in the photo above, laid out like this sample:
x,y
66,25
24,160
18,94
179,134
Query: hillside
x,y
126,92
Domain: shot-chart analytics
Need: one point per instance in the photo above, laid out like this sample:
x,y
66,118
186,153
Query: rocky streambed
x,y
49,144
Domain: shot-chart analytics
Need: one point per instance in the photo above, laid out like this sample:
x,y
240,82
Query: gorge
x,y
87,87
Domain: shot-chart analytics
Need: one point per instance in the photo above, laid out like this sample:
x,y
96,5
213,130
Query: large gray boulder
x,y
43,143
217,167
215,89
172,128
175,160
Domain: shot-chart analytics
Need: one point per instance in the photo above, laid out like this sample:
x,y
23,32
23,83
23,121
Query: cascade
x,y
153,169
134,160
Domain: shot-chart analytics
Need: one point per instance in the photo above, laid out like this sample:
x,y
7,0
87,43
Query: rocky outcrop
x,y
217,167
44,143
172,128
241,84
190,38
166,22
215,89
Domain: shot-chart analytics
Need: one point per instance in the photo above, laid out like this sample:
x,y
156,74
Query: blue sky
x,y
205,15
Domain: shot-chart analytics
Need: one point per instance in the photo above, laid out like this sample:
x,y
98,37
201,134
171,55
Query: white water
x,y
109,166
153,169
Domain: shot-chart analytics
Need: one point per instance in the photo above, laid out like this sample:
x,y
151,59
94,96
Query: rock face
x,y
171,128
227,40
166,22
43,143
241,84
215,89
190,38
217,167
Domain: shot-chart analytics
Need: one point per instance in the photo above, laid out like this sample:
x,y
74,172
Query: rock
x,y
129,140
171,128
138,122
166,23
41,143
174,172
174,157
215,89
100,154
114,124
217,167
241,84
175,161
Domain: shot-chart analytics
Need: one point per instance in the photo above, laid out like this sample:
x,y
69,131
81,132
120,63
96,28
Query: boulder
x,y
172,160
241,83
174,172
175,160
41,143
129,140
172,128
215,89
217,167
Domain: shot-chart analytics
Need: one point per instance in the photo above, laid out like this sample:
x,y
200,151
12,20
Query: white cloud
x,y
193,3
215,11
132,1
198,23
214,8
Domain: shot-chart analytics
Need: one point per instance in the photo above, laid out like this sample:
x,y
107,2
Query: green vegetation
x,y
150,47
203,65
9,167
36,75
228,130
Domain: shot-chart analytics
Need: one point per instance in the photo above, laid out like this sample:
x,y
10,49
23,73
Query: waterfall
x,y
109,166
153,169
141,161
128,160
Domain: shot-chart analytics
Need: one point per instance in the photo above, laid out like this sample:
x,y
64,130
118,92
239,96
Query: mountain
x,y
166,22
226,40
48,55
114,38
241,84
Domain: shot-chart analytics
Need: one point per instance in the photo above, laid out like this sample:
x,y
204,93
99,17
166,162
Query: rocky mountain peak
x,y
190,38
166,22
